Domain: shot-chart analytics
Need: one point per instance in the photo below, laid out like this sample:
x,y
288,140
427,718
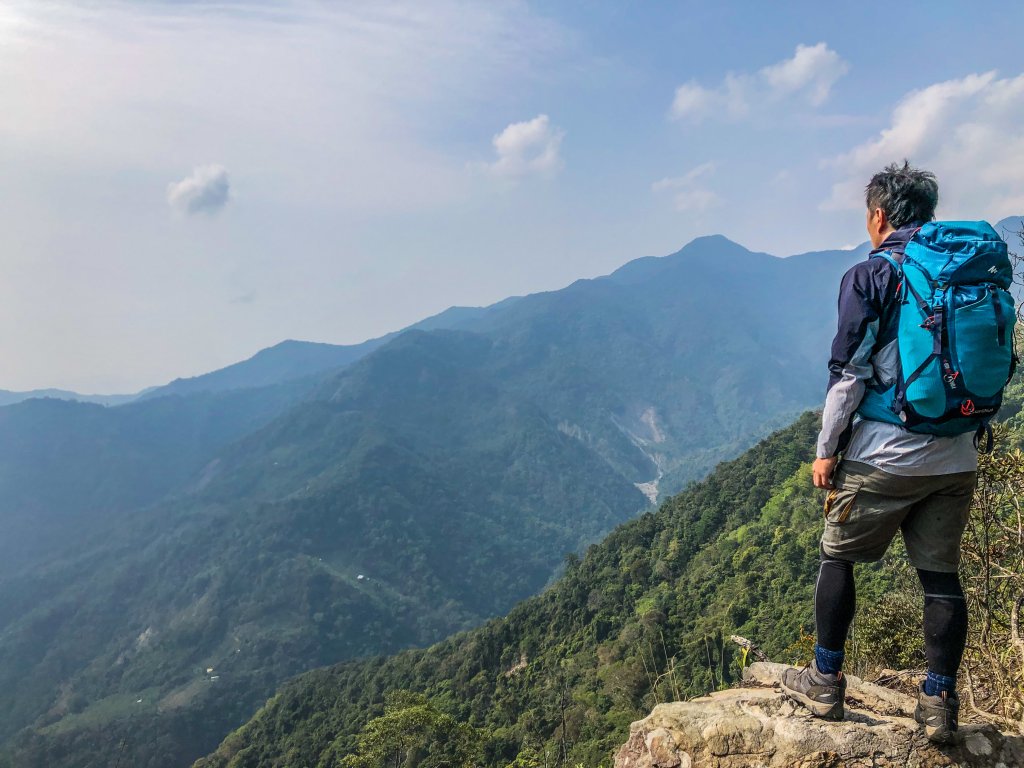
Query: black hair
x,y
906,194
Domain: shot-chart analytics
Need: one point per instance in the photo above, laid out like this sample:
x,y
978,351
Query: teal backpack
x,y
955,332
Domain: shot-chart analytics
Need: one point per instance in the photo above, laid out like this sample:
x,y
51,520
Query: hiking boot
x,y
938,714
820,692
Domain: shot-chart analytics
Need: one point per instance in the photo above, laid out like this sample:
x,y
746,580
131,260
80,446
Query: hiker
x,y
890,476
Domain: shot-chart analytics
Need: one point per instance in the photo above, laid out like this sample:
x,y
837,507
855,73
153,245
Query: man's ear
x,y
879,221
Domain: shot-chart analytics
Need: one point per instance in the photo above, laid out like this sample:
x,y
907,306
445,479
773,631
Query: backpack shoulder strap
x,y
895,257
890,256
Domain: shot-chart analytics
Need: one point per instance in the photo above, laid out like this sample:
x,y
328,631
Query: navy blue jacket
x,y
863,351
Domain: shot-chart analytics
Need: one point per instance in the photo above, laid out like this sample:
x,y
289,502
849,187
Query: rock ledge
x,y
759,727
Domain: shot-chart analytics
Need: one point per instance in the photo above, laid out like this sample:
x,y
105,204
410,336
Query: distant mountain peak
x,y
705,240
703,249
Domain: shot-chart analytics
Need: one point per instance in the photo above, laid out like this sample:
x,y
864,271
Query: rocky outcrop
x,y
757,726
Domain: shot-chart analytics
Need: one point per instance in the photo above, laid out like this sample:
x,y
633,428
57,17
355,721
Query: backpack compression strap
x,y
932,322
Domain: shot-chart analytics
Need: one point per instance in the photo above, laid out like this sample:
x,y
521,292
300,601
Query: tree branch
x,y
750,647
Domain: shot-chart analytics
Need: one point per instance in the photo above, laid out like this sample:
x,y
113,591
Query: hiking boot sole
x,y
937,734
940,735
820,709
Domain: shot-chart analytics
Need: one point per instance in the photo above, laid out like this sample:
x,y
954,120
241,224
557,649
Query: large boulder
x,y
757,726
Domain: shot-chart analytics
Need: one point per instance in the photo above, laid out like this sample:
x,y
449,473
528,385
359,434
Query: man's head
x,y
897,196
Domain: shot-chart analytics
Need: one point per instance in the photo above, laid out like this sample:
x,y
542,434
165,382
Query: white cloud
x,y
693,100
688,193
808,76
301,94
348,125
205,190
966,131
531,146
812,71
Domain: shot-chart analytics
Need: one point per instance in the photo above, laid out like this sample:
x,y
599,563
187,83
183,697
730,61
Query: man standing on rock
x,y
890,478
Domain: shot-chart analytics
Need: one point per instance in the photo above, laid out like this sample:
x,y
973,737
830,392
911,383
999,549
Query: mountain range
x,y
169,561
648,615
296,359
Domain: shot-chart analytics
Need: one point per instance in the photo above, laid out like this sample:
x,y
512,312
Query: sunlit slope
x,y
668,584
645,616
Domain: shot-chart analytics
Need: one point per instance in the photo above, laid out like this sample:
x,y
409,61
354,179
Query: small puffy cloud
x,y
688,192
966,131
244,298
531,146
812,71
807,76
693,99
205,190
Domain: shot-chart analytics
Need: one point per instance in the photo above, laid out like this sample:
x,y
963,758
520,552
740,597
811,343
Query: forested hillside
x,y
583,659
370,517
452,470
645,616
71,473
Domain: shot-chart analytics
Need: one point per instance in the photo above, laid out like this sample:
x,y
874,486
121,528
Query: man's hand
x,y
823,469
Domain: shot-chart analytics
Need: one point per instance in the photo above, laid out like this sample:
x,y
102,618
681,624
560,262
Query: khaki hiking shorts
x,y
868,505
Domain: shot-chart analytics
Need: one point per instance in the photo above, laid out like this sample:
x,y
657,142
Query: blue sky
x,y
186,183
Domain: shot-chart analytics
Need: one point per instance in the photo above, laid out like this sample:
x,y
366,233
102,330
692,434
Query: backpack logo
x,y
967,407
949,375
993,269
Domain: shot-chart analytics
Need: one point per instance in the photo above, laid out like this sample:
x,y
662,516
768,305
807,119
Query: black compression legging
x,y
945,612
835,600
945,621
